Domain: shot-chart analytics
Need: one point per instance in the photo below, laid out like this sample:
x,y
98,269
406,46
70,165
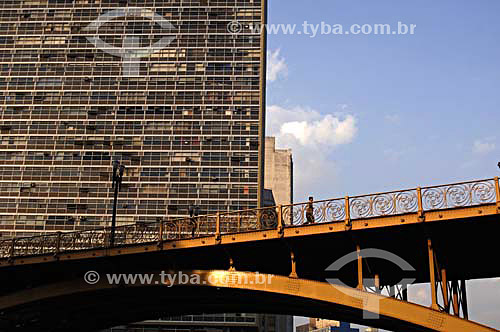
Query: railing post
x,y
281,226
420,201
13,248
497,189
217,229
58,244
259,221
160,234
348,224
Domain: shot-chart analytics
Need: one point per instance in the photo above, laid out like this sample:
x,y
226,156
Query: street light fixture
x,y
117,186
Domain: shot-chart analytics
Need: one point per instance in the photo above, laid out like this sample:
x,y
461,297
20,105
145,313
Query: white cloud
x,y
276,66
330,131
311,136
309,128
483,147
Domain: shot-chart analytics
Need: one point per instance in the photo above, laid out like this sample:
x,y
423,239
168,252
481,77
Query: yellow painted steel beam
x,y
352,300
432,274
444,290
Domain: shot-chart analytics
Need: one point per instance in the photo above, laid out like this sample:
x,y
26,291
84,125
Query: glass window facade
x,y
185,119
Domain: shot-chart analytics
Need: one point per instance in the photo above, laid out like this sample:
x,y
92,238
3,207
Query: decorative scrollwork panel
x,y
459,195
386,204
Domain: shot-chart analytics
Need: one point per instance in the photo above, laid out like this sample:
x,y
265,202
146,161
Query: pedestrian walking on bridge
x,y
310,211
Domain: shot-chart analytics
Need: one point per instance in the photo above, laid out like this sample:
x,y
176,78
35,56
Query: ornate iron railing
x,y
419,200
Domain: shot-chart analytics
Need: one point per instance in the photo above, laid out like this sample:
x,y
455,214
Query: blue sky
x,y
426,105
412,110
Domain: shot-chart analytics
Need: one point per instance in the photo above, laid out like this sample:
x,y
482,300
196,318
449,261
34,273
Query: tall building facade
x,y
173,89
278,175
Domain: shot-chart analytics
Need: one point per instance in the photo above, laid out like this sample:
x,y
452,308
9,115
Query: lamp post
x,y
117,185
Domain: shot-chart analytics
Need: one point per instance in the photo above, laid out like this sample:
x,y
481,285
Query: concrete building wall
x,y
278,189
278,175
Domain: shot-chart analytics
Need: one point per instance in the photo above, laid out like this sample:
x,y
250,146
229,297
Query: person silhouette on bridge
x,y
310,211
194,211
